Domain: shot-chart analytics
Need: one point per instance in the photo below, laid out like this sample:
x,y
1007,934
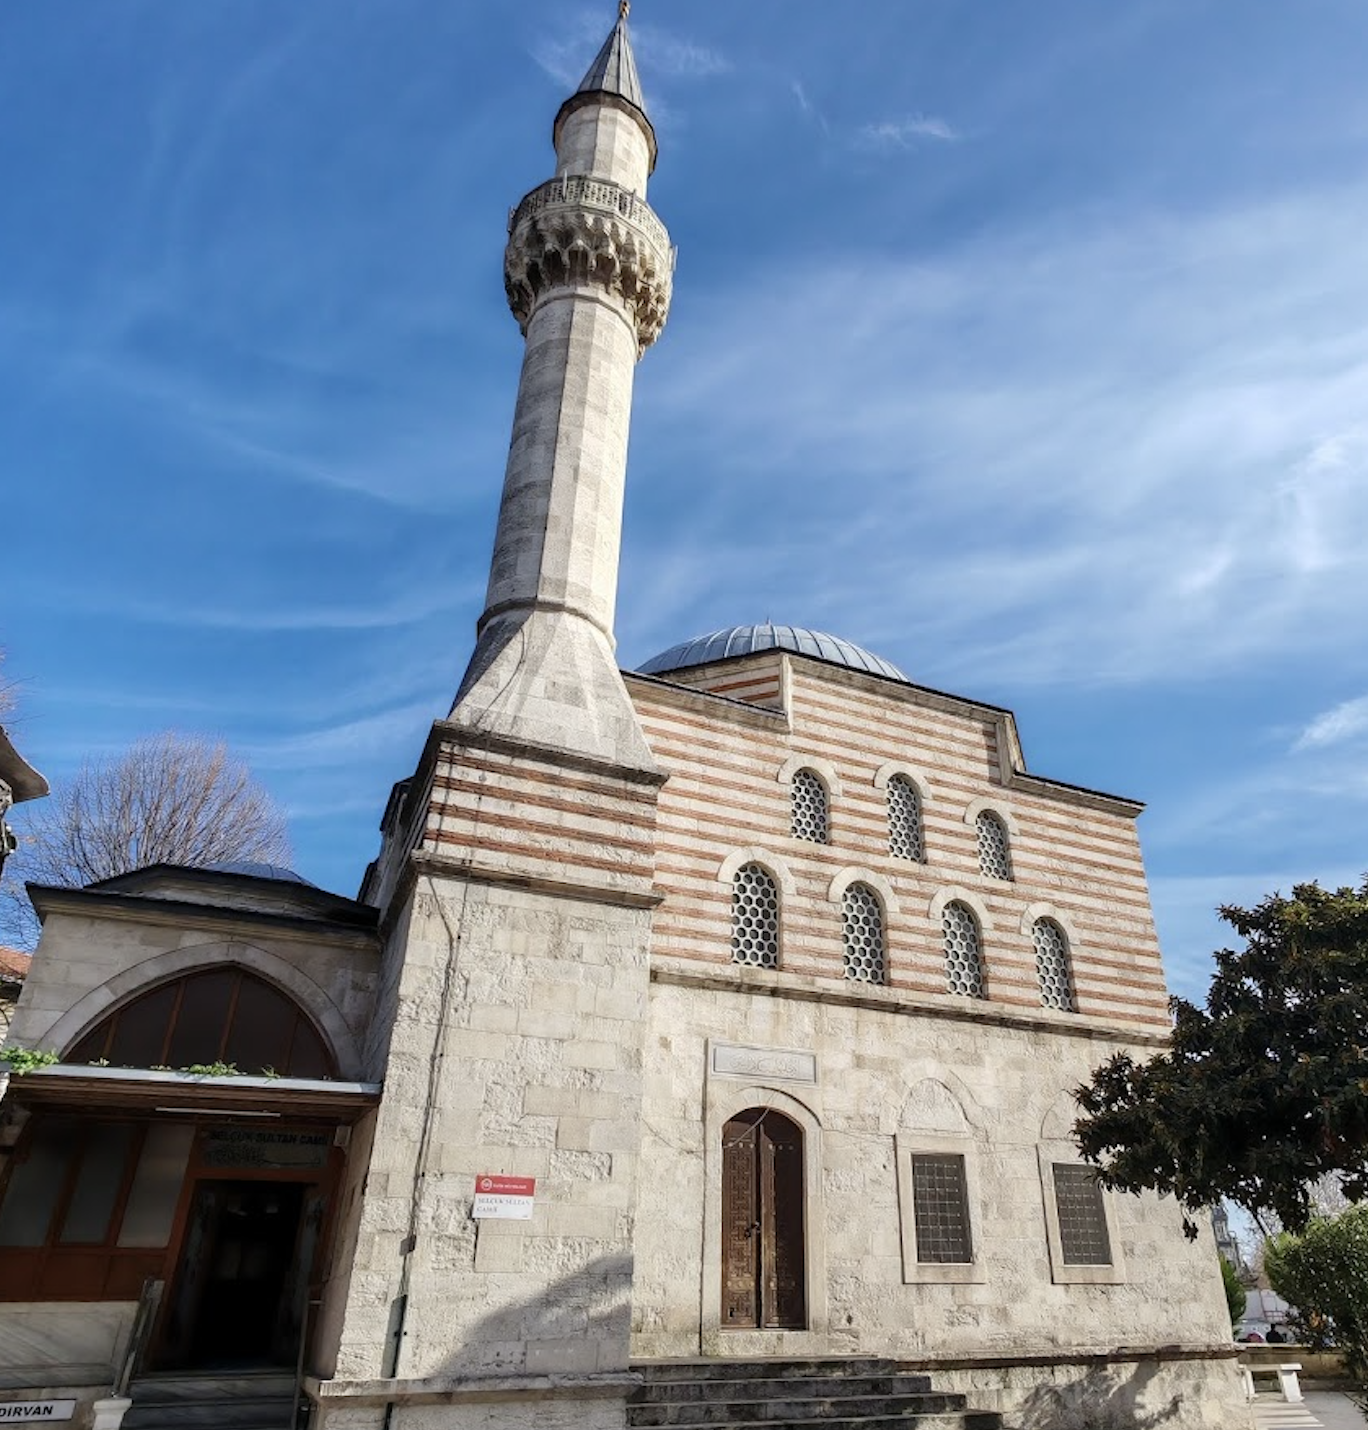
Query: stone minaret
x,y
588,273
516,882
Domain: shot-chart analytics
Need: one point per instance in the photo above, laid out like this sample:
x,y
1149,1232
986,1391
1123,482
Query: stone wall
x,y
869,1085
516,1049
1075,855
85,966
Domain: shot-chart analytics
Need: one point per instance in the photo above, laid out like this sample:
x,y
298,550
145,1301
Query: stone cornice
x,y
180,913
724,707
750,983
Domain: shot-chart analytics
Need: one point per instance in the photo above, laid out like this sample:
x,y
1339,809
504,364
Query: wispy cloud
x,y
907,132
348,740
567,54
1346,721
676,56
808,107
403,610
1129,451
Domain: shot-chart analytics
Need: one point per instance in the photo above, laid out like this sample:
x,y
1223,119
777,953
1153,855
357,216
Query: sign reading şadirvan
x,y
27,1411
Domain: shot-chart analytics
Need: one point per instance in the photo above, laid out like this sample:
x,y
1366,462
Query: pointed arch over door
x,y
764,1249
214,1015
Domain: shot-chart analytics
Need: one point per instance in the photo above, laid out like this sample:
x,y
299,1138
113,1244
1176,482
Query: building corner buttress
x,y
516,880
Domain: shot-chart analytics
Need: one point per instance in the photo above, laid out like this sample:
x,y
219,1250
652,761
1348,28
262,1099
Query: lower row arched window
x,y
755,917
963,957
863,931
1052,966
755,940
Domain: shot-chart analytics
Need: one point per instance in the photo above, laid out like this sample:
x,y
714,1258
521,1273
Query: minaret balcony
x,y
578,229
601,196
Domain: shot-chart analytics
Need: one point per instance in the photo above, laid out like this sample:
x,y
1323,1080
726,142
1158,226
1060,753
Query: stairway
x,y
228,1400
844,1394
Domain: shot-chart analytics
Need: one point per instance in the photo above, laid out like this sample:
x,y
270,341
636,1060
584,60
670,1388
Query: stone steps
x,y
775,1394
251,1400
758,1387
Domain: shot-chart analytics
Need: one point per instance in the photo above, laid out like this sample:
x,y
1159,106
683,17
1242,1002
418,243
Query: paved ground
x,y
1321,1410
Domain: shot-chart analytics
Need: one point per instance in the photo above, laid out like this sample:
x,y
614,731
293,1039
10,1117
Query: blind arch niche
x,y
213,1015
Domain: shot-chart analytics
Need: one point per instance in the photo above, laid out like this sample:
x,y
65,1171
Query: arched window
x,y
905,839
1052,966
755,917
963,961
221,1015
862,920
808,808
995,857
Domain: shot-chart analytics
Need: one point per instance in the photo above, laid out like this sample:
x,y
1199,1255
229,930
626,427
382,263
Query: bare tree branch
x,y
169,799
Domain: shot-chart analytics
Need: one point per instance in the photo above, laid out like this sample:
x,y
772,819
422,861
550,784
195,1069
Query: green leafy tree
x,y
1323,1274
1262,1092
1234,1292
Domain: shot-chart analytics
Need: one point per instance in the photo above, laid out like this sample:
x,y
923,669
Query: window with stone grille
x,y
1083,1236
995,857
905,839
1052,966
862,919
940,1208
755,917
808,808
963,960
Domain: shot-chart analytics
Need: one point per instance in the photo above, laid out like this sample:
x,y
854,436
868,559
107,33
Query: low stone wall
x,y
62,1351
1164,1389
1320,1366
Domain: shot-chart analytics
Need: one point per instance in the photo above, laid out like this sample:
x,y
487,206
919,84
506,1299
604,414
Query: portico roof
x,y
146,1090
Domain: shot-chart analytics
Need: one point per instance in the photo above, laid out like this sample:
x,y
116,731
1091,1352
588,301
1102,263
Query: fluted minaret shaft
x,y
588,272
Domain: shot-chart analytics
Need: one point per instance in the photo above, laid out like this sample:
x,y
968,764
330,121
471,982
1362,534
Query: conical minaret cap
x,y
614,71
613,79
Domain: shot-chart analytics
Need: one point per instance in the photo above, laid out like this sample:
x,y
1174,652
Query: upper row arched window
x,y
994,851
755,939
810,819
1052,966
808,813
905,837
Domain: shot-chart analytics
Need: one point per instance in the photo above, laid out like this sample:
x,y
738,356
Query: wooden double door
x,y
764,1270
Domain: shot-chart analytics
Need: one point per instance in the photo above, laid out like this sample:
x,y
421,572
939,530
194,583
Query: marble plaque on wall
x,y
773,1064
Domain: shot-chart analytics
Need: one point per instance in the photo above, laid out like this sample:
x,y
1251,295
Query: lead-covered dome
x,y
747,640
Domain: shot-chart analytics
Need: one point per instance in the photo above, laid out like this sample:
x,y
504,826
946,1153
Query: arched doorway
x,y
764,1263
224,1199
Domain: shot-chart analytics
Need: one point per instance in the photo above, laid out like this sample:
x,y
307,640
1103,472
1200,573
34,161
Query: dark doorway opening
x,y
764,1270
235,1300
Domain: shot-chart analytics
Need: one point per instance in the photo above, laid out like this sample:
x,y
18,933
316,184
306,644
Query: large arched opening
x,y
188,1138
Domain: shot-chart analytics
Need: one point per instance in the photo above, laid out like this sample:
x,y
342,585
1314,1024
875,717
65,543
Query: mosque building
x,y
700,1040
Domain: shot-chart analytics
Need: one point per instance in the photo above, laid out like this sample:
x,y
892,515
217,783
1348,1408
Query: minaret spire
x,y
588,271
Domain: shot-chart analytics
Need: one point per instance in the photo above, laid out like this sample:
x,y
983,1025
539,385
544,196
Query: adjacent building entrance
x,y
233,1299
763,1255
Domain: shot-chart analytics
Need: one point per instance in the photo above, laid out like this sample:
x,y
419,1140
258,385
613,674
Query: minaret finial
x,y
624,9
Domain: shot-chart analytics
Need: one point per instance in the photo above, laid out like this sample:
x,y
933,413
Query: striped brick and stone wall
x,y
874,1072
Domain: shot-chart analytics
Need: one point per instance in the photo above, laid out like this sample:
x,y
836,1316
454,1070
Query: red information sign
x,y
506,1186
500,1198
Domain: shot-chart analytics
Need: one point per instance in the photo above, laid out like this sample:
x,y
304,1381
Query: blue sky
x,y
1024,344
